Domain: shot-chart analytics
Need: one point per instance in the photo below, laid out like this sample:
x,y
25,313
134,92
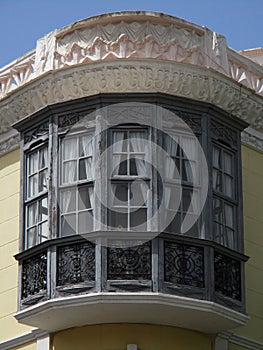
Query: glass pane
x,y
218,210
69,172
43,210
229,216
32,186
229,190
138,193
119,164
32,215
228,162
43,180
171,146
31,237
119,143
174,220
120,194
69,148
186,200
172,197
217,180
85,169
119,218
137,165
68,225
229,238
84,198
188,170
43,158
86,222
33,163
138,219
189,148
68,201
85,146
217,158
218,233
43,232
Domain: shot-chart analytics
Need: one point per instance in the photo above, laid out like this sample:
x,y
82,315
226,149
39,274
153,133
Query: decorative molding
x,y
245,342
23,339
253,139
174,78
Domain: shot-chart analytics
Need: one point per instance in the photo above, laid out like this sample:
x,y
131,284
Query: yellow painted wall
x,y
117,336
9,234
252,162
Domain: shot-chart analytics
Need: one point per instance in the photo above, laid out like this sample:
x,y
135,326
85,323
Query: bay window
x,y
131,178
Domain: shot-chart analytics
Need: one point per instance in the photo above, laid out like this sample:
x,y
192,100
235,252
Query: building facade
x,y
130,171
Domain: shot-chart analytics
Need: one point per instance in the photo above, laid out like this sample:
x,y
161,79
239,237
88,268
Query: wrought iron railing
x,y
168,264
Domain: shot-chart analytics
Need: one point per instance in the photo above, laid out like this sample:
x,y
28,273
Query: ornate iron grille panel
x,y
34,275
224,133
183,264
132,263
39,131
227,276
75,263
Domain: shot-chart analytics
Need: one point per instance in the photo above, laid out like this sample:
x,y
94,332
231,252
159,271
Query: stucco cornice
x,y
135,76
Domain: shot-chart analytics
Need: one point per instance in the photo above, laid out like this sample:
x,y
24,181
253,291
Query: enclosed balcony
x,y
170,280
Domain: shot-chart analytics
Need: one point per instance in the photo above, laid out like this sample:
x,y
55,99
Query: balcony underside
x,y
152,308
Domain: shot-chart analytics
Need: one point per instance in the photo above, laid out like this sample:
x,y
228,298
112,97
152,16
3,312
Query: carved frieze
x,y
137,76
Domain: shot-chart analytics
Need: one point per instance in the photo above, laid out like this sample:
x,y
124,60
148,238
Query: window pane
x,y
69,172
138,219
138,193
217,180
85,146
229,190
120,194
119,218
43,180
174,220
217,157
137,165
32,186
43,210
172,197
31,237
43,232
43,158
68,201
228,163
218,233
85,198
230,238
119,143
69,148
218,210
33,163
119,165
85,169
32,215
85,221
229,215
68,225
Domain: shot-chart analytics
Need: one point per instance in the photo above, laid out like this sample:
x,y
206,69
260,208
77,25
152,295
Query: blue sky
x,y
24,21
